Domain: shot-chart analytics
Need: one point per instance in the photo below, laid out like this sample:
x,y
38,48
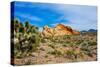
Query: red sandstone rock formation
x,y
59,30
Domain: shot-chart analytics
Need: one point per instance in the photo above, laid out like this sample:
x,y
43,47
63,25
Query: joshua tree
x,y
27,36
22,28
27,24
16,25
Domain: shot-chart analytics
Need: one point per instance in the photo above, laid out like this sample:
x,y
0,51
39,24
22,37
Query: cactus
x,y
28,37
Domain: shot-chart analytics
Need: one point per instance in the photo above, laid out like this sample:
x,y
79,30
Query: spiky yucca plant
x,y
27,36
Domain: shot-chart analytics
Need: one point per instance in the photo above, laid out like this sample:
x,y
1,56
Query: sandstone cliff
x,y
59,30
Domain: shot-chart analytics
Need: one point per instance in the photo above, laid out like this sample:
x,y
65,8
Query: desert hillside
x,y
53,45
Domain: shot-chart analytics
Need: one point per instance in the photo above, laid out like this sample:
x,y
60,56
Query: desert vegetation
x,y
25,38
32,48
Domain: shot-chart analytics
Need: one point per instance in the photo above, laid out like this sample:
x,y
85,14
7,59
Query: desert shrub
x,y
52,46
92,43
46,56
28,39
88,52
66,37
43,40
71,54
65,45
87,49
56,53
79,42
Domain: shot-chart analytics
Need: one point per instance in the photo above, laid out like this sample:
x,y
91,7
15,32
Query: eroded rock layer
x,y
59,30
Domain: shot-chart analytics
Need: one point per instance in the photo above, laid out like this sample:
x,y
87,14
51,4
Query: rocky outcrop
x,y
59,30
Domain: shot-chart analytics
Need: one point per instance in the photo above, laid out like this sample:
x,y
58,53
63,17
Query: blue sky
x,y
79,17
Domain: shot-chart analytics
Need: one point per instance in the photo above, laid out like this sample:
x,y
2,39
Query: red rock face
x,y
59,30
67,29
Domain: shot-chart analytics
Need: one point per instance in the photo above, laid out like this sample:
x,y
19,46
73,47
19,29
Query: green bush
x,y
56,53
71,54
28,37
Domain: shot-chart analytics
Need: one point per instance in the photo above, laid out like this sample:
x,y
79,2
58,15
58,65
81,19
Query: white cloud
x,y
79,17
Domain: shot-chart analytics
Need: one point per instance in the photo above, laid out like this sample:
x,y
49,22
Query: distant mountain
x,y
90,30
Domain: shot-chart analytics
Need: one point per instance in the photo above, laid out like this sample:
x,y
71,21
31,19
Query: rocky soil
x,y
63,49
